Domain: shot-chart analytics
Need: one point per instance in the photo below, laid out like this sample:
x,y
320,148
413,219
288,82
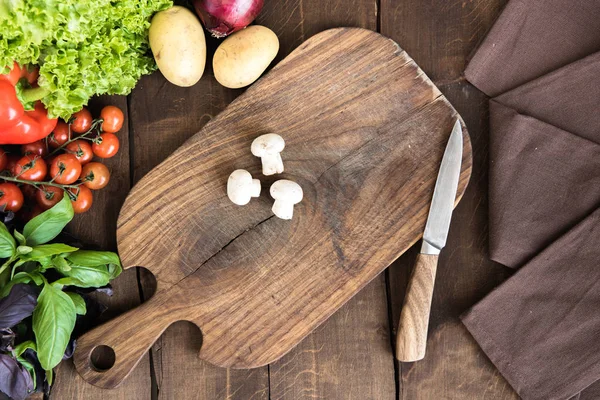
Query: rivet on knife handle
x,y
414,320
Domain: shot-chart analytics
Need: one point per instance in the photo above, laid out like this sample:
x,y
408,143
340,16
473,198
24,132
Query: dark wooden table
x,y
351,355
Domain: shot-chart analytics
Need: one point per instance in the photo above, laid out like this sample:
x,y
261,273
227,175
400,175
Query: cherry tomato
x,y
11,161
108,146
65,169
82,121
3,159
11,198
37,148
84,199
59,136
48,196
29,191
31,168
30,211
95,175
112,119
82,150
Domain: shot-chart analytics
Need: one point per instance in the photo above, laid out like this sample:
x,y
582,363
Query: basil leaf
x,y
30,368
20,348
49,224
47,250
78,301
53,322
22,277
91,258
68,281
7,242
15,381
95,276
17,306
20,238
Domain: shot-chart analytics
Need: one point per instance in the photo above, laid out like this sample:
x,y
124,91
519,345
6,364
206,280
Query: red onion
x,y
223,17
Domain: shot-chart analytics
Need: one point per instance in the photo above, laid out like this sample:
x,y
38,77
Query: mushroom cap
x,y
271,143
287,190
239,185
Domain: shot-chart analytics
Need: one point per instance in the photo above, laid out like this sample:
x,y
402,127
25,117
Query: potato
x,y
178,44
244,56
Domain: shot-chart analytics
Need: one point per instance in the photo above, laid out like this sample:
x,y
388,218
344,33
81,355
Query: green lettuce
x,y
83,47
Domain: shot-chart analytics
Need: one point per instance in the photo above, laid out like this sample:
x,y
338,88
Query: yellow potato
x,y
244,56
178,44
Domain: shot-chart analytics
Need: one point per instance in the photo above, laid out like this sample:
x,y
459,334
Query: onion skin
x,y
223,17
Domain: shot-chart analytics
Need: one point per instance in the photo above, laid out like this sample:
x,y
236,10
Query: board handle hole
x,y
102,358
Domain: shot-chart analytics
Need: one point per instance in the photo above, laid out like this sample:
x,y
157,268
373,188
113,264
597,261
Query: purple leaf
x,y
15,381
17,306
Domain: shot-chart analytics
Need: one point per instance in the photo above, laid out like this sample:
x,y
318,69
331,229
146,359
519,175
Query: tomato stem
x,y
95,126
37,184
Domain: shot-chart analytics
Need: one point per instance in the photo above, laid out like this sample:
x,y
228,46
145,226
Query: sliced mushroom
x,y
268,147
241,187
286,194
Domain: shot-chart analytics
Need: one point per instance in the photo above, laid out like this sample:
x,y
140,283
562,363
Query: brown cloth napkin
x,y
541,328
532,38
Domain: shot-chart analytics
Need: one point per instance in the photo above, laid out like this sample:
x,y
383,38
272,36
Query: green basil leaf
x,y
68,281
49,224
20,238
23,250
21,347
7,242
47,250
93,276
53,322
30,368
90,258
80,307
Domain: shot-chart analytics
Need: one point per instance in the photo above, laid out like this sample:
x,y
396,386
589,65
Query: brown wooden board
x,y
365,130
440,36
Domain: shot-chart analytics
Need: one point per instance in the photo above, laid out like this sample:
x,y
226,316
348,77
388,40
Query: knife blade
x,y
411,340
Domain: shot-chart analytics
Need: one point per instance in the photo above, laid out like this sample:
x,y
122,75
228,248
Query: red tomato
x,y
81,121
65,169
95,175
59,136
31,168
82,150
29,191
83,201
48,196
107,147
37,148
112,119
3,159
11,198
11,161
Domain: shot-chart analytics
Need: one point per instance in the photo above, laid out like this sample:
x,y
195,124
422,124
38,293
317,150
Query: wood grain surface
x,y
411,341
367,156
345,355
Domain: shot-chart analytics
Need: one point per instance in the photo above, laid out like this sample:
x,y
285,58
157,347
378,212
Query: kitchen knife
x,y
411,339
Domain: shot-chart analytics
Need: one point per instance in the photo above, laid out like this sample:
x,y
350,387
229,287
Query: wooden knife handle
x,y
129,337
411,340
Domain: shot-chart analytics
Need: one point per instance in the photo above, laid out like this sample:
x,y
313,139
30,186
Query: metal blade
x,y
442,204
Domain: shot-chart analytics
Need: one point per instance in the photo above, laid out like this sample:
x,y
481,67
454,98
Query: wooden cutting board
x,y
365,130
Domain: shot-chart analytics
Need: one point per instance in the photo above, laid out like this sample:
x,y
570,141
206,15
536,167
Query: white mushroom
x,y
241,187
268,147
286,193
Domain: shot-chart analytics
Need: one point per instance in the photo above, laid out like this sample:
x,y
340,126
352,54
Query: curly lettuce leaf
x,y
83,47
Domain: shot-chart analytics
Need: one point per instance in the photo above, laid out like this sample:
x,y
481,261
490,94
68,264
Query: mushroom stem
x,y
272,164
255,188
283,209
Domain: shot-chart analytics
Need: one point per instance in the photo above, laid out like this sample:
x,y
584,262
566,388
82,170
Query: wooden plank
x,y
350,355
440,36
97,227
164,116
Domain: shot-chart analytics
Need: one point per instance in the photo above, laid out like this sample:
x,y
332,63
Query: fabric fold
x,y
543,180
541,328
532,38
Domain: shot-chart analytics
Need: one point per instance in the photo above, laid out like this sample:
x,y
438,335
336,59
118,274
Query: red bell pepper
x,y
17,125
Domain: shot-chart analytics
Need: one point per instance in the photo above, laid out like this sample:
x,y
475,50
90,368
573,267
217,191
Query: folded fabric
x,y
543,181
532,38
541,328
